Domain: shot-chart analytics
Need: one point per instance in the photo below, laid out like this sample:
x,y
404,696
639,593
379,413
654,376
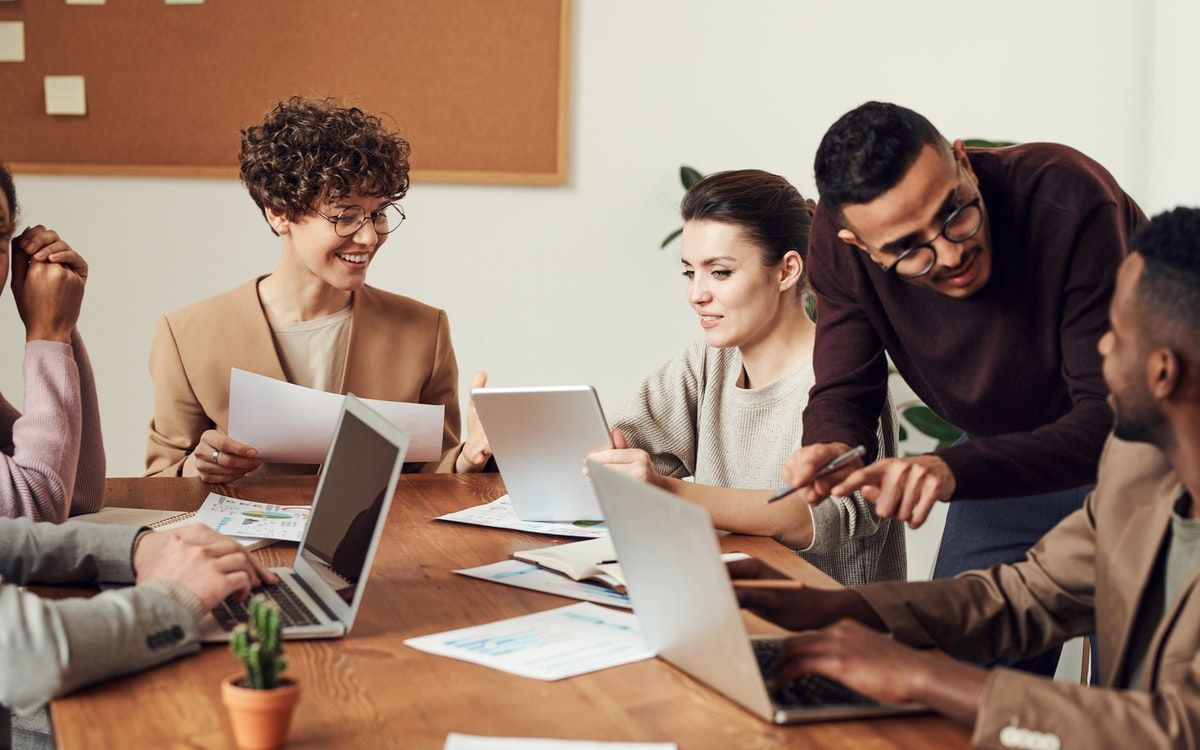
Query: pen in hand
x,y
837,463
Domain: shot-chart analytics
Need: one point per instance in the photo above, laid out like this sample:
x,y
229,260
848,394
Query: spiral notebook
x,y
159,520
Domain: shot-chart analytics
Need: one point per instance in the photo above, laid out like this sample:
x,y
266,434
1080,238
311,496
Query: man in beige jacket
x,y
1124,566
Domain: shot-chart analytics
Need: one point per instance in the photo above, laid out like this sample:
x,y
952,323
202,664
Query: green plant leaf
x,y
689,176
985,143
928,423
903,432
670,238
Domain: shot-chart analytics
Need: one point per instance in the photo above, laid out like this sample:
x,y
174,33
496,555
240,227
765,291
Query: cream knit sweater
x,y
694,420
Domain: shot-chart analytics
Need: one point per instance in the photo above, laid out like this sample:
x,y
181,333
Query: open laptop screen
x,y
354,487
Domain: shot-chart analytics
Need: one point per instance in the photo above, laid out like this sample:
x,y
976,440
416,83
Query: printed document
x,y
526,576
289,423
499,514
548,645
245,518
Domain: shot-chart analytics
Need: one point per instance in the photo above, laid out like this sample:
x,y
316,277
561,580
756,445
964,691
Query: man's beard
x,y
1136,428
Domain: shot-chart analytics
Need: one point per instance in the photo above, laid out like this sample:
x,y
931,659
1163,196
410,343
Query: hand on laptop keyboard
x,y
210,565
805,690
292,611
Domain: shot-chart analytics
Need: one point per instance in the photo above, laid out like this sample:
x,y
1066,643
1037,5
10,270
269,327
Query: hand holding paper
x,y
289,423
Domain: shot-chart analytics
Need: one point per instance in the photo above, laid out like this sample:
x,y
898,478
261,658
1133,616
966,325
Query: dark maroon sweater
x,y
1015,365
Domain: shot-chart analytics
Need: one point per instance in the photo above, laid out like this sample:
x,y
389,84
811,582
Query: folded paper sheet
x,y
289,423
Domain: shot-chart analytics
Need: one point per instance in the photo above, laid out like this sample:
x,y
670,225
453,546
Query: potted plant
x,y
260,702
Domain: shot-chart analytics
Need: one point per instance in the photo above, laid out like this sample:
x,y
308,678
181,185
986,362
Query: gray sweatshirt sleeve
x,y
661,418
51,647
839,519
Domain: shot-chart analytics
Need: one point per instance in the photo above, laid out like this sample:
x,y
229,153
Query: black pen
x,y
837,463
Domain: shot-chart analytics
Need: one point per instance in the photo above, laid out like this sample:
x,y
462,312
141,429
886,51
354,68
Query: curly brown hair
x,y
310,151
10,192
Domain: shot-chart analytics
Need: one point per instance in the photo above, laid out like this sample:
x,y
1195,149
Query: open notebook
x,y
592,560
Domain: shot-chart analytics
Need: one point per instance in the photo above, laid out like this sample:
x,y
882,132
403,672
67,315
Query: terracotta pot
x,y
260,718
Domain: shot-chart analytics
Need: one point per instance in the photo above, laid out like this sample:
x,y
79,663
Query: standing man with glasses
x,y
986,275
328,180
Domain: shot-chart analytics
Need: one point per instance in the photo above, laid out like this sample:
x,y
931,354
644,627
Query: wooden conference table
x,y
371,691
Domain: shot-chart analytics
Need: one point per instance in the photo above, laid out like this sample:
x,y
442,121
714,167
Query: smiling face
x,y
312,247
914,212
737,298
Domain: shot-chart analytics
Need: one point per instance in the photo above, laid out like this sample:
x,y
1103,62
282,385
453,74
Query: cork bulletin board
x,y
479,87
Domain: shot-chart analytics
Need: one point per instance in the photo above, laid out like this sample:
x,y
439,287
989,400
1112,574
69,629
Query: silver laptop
x,y
319,596
540,437
689,614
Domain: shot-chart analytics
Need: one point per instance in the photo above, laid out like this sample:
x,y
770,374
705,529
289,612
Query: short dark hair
x,y
307,151
867,151
1168,293
766,207
9,190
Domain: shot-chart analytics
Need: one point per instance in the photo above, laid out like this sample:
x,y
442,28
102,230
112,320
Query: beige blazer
x,y
399,351
1088,573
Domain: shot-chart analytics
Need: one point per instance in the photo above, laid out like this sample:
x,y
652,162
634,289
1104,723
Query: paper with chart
x,y
528,576
245,518
455,741
548,645
288,423
499,514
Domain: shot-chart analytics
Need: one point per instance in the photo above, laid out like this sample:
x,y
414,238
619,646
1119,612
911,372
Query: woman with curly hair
x,y
327,179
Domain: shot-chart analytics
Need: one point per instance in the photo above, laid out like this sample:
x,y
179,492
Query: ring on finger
x,y
216,457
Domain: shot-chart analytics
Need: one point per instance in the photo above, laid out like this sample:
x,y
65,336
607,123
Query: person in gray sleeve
x,y
52,647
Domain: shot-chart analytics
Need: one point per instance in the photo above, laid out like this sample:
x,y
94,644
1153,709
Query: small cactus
x,y
257,645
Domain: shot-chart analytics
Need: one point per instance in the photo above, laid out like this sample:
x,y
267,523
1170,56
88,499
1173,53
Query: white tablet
x,y
540,437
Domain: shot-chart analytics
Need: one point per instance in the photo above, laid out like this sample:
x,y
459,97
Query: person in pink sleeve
x,y
52,455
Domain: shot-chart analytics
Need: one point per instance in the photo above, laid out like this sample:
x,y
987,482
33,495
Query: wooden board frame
x,y
557,175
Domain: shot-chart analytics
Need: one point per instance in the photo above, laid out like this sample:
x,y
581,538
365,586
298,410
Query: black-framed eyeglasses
x,y
385,220
962,224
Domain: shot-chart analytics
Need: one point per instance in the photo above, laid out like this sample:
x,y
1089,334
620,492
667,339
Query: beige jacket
x,y
399,351
1088,573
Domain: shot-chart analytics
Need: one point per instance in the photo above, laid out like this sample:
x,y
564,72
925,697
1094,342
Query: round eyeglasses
x,y
961,225
385,220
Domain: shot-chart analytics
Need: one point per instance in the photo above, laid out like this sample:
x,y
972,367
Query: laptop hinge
x,y
313,595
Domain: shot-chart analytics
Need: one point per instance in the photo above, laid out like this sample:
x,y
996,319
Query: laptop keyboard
x,y
807,689
292,611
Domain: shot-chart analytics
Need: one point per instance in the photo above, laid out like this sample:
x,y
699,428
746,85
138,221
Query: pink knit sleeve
x,y
37,469
89,477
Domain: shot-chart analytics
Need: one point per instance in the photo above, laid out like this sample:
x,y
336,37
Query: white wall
x,y
557,285
1174,149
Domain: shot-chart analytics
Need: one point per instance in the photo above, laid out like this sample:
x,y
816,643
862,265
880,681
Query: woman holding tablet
x,y
726,411
328,180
